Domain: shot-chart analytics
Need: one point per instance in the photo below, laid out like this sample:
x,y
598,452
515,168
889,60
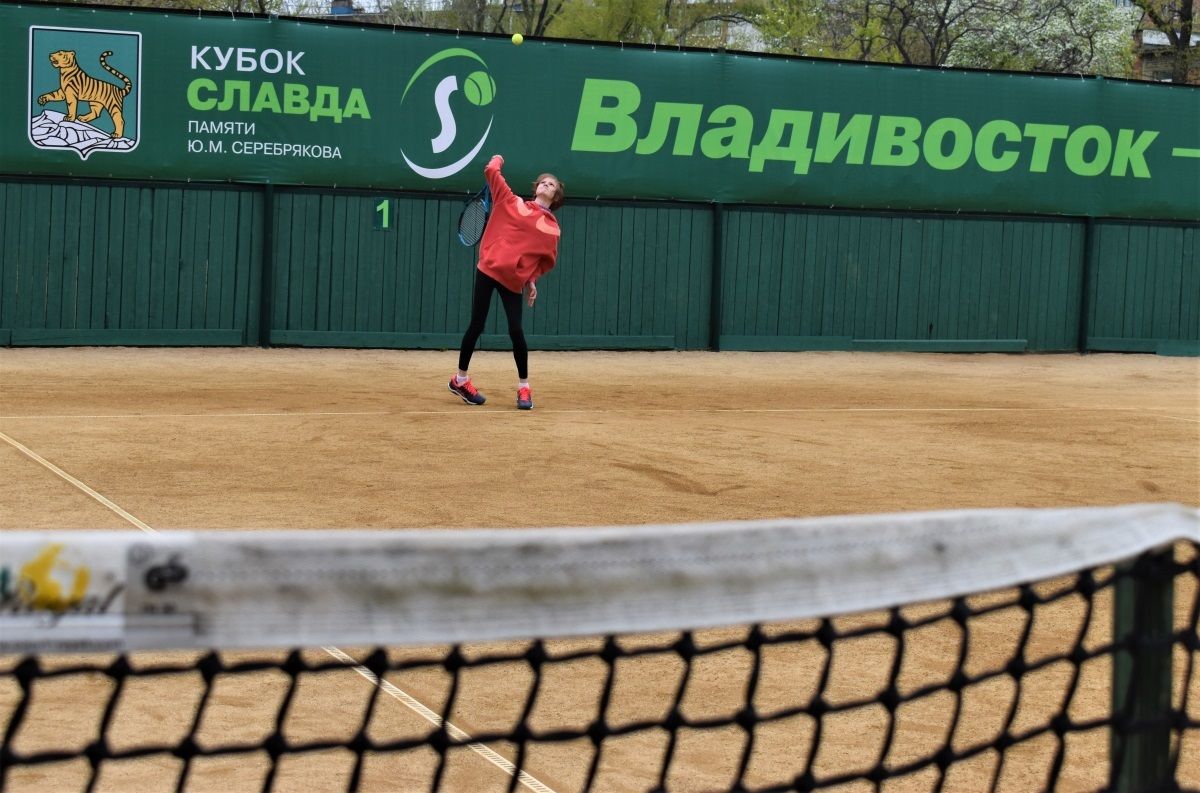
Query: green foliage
x,y
639,21
848,29
239,6
708,23
1082,37
1062,36
1071,36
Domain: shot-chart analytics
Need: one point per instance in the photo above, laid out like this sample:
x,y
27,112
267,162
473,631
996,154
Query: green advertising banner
x,y
145,94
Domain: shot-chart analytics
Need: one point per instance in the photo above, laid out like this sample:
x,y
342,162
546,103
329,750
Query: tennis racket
x,y
474,218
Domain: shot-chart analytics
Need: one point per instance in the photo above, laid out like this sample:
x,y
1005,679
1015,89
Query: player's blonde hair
x,y
559,196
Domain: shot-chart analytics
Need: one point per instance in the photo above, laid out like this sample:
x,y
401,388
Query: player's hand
x,y
532,294
498,157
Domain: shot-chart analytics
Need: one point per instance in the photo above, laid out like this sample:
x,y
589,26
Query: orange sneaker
x,y
524,399
467,391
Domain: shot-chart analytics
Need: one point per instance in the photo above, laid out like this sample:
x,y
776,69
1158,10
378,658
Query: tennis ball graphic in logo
x,y
447,109
480,88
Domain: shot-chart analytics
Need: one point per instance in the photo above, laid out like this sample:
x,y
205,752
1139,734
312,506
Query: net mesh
x,y
1086,681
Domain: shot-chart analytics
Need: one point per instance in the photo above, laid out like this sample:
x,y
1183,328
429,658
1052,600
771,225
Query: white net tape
x,y
101,590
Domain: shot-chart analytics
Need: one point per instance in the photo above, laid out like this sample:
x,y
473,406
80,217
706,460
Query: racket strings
x,y
473,220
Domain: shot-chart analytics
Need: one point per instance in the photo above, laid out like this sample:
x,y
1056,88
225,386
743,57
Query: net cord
x,y
230,589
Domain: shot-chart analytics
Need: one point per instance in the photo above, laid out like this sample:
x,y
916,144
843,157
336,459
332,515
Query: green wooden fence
x,y
630,276
1145,295
809,280
118,263
89,264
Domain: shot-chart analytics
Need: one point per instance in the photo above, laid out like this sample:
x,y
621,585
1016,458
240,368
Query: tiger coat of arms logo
x,y
84,90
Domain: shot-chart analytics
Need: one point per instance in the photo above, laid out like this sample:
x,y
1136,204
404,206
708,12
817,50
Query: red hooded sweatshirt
x,y
520,242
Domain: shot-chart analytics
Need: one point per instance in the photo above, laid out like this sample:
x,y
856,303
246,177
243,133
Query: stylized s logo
x,y
479,90
441,103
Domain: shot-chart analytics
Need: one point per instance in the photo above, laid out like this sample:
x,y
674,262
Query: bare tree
x,y
925,31
921,32
528,17
1059,36
545,13
1075,37
847,29
1176,20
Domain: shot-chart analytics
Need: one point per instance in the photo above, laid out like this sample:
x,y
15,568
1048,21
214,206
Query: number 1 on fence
x,y
383,215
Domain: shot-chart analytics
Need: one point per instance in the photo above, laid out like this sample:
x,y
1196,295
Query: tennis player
x,y
519,246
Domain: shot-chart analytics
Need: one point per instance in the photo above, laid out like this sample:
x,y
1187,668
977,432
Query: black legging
x,y
481,299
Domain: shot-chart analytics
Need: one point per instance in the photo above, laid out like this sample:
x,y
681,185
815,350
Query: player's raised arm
x,y
495,180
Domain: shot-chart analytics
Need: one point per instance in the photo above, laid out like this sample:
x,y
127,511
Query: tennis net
x,y
1006,650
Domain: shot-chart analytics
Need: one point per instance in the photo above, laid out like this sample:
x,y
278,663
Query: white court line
x,y
1176,418
1073,409
298,414
628,410
37,458
492,757
489,755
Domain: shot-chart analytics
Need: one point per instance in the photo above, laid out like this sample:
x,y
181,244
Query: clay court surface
x,y
329,439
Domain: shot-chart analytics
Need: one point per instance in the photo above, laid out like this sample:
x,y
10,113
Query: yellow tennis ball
x,y
517,38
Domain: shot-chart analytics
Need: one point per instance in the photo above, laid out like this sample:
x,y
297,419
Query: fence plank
x,y
130,257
